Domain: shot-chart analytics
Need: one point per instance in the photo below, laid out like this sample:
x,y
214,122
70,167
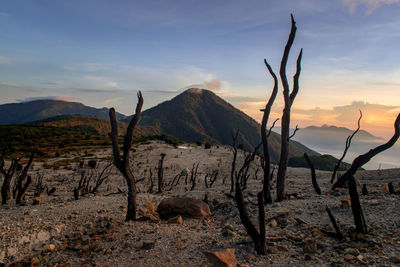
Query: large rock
x,y
222,258
170,207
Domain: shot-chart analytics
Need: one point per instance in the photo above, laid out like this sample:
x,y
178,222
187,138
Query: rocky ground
x,y
90,231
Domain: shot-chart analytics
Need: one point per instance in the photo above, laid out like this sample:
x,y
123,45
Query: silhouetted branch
x,y
348,144
294,132
313,176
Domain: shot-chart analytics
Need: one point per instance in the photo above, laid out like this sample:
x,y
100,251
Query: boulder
x,y
171,207
222,258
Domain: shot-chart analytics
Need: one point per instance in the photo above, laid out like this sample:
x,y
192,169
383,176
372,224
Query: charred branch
x,y
358,215
347,146
335,225
264,137
313,176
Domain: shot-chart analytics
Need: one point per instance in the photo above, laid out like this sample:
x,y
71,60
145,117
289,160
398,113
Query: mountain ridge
x,y
18,113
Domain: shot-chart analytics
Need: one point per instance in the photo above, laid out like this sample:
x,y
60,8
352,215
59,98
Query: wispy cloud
x,y
371,5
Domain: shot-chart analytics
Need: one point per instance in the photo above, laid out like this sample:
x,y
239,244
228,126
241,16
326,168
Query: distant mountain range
x,y
17,113
194,115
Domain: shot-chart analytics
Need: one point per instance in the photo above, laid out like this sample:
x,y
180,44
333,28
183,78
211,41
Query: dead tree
x,y
285,122
151,183
266,159
8,175
123,163
335,225
258,237
85,185
347,146
233,167
356,209
161,173
313,176
364,158
22,185
193,176
212,177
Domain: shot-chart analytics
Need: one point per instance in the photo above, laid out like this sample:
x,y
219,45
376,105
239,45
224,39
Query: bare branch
x,y
313,176
294,132
347,146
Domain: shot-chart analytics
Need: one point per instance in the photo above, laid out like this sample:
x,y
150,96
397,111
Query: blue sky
x,y
101,52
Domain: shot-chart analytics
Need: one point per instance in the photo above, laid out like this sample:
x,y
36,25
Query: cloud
x,y
371,5
61,98
377,118
214,85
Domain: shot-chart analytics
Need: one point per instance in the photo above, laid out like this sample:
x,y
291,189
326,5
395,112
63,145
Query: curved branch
x,y
362,159
285,56
347,146
294,132
272,126
264,135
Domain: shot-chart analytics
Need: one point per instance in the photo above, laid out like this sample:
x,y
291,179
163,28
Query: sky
x,y
102,52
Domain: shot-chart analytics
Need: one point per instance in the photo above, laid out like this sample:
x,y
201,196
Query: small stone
x,y
381,252
360,258
49,248
349,257
224,258
273,224
43,236
317,232
346,202
300,220
307,257
351,251
28,213
177,219
37,201
148,244
384,189
282,248
363,250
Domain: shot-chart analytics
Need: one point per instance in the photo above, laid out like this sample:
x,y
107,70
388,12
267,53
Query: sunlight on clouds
x,y
370,4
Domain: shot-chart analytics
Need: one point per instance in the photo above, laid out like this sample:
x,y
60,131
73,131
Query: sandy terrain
x,y
91,231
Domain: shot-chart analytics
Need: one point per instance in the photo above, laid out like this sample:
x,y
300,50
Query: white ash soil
x,y
92,230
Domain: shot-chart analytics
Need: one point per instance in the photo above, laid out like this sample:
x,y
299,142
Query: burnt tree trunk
x,y
161,173
123,163
313,176
358,215
335,226
267,161
233,167
8,175
21,187
285,123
